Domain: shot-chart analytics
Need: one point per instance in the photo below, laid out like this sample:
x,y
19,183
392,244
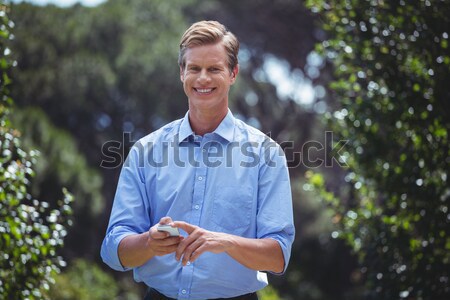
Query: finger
x,y
165,220
192,248
200,250
166,250
185,243
160,245
185,226
167,242
158,235
180,250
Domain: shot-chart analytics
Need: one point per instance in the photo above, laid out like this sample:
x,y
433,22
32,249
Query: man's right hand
x,y
135,250
161,243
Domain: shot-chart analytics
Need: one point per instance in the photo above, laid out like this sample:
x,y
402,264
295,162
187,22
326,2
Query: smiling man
x,y
224,184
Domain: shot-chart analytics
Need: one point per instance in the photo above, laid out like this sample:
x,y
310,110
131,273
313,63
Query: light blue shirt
x,y
233,180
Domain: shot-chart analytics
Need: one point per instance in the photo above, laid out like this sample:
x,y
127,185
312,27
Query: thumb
x,y
165,220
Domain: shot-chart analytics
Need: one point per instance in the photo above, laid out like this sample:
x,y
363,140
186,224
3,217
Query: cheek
x,y
187,78
187,83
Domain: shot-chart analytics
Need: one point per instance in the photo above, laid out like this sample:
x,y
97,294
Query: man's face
x,y
206,77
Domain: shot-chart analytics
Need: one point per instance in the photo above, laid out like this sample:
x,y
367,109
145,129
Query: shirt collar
x,y
226,127
224,130
185,129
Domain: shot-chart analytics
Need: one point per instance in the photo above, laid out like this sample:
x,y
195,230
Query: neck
x,y
205,122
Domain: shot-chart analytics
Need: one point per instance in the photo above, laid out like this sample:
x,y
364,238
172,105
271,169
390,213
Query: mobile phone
x,y
173,231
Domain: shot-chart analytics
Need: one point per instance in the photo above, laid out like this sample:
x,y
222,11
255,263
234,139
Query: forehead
x,y
206,54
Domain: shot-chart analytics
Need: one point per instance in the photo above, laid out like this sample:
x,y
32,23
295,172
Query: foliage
x,y
59,155
268,293
30,231
98,72
391,62
83,280
283,33
61,164
94,73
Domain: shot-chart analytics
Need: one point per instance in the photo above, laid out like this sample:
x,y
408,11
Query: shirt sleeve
x,y
275,213
130,213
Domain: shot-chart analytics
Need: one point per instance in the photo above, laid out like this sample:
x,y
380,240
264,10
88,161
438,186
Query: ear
x,y
181,74
234,73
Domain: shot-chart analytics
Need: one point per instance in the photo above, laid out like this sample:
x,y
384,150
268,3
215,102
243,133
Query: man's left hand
x,y
199,241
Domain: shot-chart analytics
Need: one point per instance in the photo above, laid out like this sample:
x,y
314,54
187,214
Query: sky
x,y
63,3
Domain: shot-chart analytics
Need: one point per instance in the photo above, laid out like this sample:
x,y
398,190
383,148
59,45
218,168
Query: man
x,y
222,182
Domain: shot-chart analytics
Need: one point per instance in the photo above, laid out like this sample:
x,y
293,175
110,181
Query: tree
x,y
94,73
391,62
31,232
61,164
98,72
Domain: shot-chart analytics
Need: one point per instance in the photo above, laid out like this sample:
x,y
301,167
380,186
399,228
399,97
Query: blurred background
x,y
356,92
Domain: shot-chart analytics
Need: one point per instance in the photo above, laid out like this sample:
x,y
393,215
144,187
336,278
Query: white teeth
x,y
204,90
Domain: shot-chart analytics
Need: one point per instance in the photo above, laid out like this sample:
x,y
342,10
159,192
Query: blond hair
x,y
207,33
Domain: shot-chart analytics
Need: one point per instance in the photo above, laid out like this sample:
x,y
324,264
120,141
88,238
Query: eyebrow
x,y
215,65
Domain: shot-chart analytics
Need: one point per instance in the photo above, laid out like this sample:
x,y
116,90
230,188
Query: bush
x,y
84,280
391,62
31,232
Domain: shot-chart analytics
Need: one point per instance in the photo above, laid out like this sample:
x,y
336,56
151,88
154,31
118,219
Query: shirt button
x,y
183,291
200,178
188,263
197,206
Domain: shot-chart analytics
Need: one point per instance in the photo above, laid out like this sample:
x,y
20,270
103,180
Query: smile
x,y
203,91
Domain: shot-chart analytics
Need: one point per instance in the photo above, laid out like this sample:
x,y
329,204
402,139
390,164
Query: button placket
x,y
198,196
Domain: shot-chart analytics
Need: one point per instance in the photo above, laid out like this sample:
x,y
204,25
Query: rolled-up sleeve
x,y
109,251
130,211
275,212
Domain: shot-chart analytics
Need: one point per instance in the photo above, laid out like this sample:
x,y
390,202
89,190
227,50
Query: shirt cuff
x,y
109,251
286,250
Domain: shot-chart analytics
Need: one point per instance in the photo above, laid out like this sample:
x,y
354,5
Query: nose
x,y
204,77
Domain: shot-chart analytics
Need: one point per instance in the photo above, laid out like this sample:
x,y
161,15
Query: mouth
x,y
204,91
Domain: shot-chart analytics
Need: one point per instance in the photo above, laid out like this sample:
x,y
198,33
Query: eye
x,y
214,70
194,69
